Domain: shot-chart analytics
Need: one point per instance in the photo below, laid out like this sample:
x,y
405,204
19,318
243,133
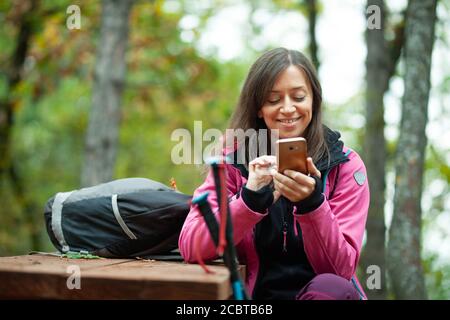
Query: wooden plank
x,y
40,276
39,263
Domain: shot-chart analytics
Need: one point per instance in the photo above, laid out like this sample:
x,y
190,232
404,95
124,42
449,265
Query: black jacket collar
x,y
335,147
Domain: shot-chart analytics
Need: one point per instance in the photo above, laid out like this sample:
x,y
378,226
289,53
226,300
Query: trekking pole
x,y
210,220
227,226
213,228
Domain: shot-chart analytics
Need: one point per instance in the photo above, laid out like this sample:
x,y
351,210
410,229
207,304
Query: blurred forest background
x,y
82,106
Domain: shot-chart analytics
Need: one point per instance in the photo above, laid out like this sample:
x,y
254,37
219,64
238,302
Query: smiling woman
x,y
282,91
289,107
300,234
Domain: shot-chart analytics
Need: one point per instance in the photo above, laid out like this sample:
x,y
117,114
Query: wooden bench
x,y
49,277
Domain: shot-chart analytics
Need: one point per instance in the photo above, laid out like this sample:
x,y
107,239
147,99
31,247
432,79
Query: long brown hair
x,y
260,80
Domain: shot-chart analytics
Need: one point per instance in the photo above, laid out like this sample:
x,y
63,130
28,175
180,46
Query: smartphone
x,y
291,154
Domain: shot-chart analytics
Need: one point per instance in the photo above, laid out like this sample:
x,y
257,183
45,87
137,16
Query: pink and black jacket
x,y
327,239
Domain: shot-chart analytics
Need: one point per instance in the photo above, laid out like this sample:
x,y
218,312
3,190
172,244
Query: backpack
x,y
124,218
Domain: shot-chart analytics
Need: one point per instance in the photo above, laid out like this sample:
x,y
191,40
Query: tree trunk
x,y
311,6
381,61
8,169
14,76
404,259
103,128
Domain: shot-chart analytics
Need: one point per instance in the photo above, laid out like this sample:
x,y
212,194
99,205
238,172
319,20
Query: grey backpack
x,y
131,217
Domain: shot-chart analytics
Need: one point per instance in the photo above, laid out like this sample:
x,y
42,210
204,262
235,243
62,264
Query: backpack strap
x,y
57,207
361,295
119,219
348,152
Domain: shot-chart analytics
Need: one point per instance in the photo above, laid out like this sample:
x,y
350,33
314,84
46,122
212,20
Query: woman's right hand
x,y
259,173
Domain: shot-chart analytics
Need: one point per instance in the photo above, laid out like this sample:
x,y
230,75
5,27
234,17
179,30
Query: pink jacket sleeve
x,y
333,233
194,226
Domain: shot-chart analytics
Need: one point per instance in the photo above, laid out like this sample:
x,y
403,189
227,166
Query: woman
x,y
299,235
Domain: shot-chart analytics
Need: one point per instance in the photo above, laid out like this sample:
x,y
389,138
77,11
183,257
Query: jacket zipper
x,y
284,236
285,228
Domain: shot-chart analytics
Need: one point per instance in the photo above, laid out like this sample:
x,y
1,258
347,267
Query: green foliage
x,y
79,255
349,120
437,277
168,86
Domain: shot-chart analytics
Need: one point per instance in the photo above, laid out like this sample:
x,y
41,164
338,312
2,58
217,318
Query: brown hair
x,y
260,80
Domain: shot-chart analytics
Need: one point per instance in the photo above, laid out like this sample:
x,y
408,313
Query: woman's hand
x,y
295,185
260,173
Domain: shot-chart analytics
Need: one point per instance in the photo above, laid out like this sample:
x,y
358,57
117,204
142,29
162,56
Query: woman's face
x,y
289,106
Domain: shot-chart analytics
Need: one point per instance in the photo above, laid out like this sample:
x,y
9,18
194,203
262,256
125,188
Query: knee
x,y
329,286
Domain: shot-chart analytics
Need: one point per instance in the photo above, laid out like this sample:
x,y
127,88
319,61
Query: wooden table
x,y
47,277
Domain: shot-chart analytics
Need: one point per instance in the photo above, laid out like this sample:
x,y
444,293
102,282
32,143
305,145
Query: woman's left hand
x,y
295,185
